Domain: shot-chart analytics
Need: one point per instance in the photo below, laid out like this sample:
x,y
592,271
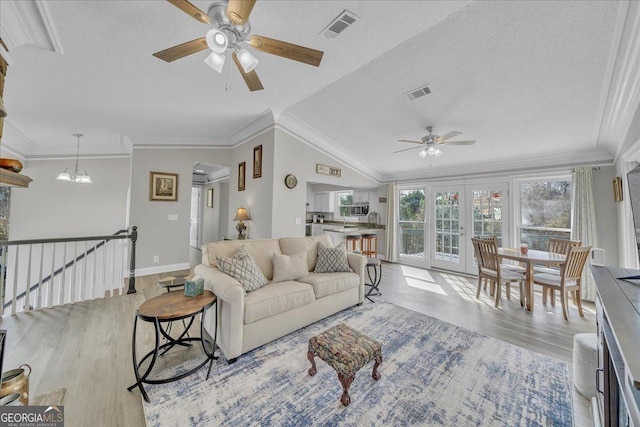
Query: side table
x,y
165,308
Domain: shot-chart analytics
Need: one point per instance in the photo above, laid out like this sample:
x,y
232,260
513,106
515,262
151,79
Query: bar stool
x,y
374,271
370,245
354,242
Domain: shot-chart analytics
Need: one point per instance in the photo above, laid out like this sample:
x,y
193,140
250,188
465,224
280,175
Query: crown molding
x,y
173,141
29,23
327,145
565,159
264,122
624,85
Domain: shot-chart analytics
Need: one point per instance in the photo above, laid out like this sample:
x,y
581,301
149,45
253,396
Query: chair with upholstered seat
x,y
557,246
489,268
568,280
516,268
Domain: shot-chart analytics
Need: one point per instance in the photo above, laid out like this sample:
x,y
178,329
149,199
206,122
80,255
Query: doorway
x,y
195,229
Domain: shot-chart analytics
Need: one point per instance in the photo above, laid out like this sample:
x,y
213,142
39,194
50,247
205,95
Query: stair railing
x,y
97,270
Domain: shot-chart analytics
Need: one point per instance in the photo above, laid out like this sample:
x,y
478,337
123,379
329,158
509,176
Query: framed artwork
x,y
163,187
257,161
242,167
210,198
617,189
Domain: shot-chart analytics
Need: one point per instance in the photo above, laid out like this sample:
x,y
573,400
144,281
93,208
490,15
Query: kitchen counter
x,y
350,225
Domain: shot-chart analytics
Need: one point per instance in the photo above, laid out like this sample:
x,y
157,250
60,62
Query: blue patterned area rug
x,y
433,373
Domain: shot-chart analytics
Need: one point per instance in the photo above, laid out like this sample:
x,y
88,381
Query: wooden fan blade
x,y
182,50
287,50
251,79
449,136
191,10
407,149
238,10
459,142
408,140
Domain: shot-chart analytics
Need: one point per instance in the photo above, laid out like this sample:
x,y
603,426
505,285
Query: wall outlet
x,y
156,258
298,221
173,217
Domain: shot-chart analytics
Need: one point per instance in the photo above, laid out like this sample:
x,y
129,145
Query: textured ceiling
x,y
523,78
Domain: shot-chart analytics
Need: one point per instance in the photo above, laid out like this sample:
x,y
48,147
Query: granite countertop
x,y
352,226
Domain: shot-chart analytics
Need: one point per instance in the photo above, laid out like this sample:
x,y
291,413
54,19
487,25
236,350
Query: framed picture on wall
x,y
163,187
210,198
242,167
257,161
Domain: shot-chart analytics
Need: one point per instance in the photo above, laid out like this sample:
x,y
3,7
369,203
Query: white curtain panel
x,y
392,223
583,223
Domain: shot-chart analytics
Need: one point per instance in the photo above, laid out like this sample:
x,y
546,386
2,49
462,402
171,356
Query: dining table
x,y
529,259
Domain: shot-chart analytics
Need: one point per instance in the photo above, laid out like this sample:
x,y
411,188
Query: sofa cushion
x,y
261,250
242,267
332,260
276,298
287,267
330,283
294,245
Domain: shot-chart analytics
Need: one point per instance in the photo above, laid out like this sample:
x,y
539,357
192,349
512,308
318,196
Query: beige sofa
x,y
247,320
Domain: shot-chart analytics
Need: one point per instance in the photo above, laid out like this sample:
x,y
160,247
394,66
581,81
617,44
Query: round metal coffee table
x,y
166,308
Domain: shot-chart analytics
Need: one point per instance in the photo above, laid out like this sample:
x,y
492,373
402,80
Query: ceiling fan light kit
x,y
428,143
230,27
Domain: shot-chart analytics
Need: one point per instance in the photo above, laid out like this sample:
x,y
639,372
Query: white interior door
x,y
195,229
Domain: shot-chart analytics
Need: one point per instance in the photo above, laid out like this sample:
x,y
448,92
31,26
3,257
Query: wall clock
x,y
290,181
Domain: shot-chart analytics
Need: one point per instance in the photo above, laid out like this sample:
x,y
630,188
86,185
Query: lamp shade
x,y
216,40
215,61
248,61
423,153
242,215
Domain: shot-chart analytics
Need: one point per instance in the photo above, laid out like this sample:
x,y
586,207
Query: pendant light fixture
x,y
77,174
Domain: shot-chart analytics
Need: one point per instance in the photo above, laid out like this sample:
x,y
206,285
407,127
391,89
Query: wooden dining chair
x,y
557,246
516,268
489,268
568,280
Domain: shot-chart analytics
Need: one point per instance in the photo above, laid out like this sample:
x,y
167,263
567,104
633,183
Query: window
x,y
411,221
545,211
345,201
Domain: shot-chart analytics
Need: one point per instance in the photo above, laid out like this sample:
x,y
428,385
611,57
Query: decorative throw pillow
x,y
331,260
242,267
292,267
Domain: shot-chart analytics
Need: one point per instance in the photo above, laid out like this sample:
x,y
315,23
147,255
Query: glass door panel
x,y
448,245
411,214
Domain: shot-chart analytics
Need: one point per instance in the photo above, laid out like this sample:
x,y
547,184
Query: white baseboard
x,y
162,269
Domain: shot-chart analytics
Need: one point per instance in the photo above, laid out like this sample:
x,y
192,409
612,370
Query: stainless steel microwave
x,y
360,210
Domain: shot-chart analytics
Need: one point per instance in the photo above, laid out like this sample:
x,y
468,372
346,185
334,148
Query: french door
x,y
460,212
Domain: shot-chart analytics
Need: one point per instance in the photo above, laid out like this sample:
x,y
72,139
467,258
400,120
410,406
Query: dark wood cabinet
x,y
618,325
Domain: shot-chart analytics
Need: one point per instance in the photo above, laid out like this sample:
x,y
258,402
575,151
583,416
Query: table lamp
x,y
241,215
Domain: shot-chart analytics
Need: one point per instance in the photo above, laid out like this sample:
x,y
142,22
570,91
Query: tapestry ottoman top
x,y
344,349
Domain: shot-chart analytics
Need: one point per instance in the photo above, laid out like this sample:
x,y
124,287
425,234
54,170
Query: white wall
x,y
157,235
211,218
50,208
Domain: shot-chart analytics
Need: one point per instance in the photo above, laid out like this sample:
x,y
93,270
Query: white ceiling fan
x,y
429,143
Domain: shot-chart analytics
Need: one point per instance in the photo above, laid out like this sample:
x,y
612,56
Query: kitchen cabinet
x,y
317,229
324,202
360,196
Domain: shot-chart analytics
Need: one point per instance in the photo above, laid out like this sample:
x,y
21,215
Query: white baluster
x,y
14,300
28,290
38,303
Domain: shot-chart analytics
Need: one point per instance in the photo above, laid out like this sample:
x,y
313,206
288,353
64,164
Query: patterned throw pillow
x,y
331,260
242,267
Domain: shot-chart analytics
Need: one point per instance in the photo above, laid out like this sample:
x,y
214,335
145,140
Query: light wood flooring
x,y
86,347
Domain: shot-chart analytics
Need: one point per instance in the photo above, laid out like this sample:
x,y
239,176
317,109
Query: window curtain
x,y
583,222
392,223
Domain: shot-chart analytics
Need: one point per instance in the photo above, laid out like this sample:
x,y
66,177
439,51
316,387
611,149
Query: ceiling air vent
x,y
417,93
338,25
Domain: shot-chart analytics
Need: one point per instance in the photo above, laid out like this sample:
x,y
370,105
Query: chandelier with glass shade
x,y
76,174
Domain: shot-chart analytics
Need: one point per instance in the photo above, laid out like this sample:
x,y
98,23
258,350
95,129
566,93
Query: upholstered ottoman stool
x,y
345,350
585,358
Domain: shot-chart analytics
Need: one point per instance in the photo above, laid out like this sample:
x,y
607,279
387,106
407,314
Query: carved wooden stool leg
x,y
312,369
375,374
346,383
